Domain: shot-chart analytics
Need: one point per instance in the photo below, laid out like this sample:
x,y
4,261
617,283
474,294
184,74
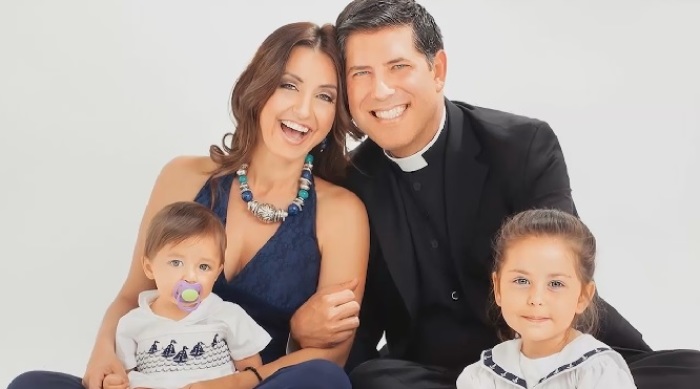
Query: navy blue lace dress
x,y
280,277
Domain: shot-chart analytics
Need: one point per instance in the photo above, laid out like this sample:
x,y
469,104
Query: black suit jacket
x,y
496,164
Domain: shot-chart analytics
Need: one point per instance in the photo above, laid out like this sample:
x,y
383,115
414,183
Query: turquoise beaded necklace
x,y
268,213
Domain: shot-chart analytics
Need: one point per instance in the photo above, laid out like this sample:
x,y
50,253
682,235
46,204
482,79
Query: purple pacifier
x,y
187,295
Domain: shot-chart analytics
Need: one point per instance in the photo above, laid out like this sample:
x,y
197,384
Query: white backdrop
x,y
96,96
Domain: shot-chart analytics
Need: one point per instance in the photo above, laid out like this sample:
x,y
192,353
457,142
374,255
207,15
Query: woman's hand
x,y
103,363
115,381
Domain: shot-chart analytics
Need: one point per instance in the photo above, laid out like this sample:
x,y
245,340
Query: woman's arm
x,y
343,235
177,181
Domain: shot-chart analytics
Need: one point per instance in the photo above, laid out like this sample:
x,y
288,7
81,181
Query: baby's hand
x,y
114,381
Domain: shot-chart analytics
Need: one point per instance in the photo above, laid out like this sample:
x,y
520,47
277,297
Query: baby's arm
x,y
245,338
125,347
252,361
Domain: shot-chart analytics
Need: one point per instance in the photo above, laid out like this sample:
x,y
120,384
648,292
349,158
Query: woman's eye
x,y
326,97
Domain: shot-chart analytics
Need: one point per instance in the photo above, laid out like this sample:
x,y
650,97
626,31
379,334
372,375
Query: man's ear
x,y
440,70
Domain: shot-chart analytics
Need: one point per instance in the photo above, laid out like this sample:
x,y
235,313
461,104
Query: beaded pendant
x,y
268,213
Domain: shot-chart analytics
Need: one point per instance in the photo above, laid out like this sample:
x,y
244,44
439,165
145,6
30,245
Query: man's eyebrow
x,y
357,67
397,60
365,67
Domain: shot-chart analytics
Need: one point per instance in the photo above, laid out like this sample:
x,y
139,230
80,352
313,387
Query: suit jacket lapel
x,y
391,228
464,178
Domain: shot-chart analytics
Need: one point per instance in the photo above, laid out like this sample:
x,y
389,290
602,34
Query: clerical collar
x,y
416,161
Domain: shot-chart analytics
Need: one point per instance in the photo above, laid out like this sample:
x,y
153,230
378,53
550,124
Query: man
x,y
438,178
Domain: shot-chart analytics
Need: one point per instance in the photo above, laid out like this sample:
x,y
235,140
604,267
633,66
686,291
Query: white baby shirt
x,y
170,354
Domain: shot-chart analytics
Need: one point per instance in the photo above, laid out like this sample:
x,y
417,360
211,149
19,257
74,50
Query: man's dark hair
x,y
372,15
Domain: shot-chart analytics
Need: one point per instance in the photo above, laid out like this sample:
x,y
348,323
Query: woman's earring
x,y
324,143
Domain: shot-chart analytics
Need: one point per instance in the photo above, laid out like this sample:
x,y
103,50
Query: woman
x,y
292,228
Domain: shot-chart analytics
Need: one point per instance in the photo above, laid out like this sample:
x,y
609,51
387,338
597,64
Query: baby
x,y
181,332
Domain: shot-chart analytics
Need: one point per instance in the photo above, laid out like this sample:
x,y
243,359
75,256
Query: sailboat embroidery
x,y
154,347
197,350
190,355
169,350
181,357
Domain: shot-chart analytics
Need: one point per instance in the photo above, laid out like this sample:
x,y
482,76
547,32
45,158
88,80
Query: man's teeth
x,y
295,126
390,114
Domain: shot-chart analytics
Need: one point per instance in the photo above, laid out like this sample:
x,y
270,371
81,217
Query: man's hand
x,y
328,318
115,381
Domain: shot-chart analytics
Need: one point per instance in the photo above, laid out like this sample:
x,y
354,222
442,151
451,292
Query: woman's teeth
x,y
295,126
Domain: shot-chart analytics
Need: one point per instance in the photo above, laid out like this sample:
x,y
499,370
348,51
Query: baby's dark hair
x,y
551,223
180,221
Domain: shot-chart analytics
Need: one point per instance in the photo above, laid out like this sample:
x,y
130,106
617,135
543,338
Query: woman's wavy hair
x,y
259,81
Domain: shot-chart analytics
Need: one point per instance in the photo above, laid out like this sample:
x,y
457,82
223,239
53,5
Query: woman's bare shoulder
x,y
332,196
189,165
342,230
184,175
337,208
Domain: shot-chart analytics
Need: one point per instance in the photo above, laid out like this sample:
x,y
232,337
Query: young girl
x,y
182,333
543,284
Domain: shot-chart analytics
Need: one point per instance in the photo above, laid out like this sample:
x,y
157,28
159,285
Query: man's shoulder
x,y
486,122
500,133
365,159
499,124
365,153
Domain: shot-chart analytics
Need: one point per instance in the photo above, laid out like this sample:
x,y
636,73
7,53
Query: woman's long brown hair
x,y
259,81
